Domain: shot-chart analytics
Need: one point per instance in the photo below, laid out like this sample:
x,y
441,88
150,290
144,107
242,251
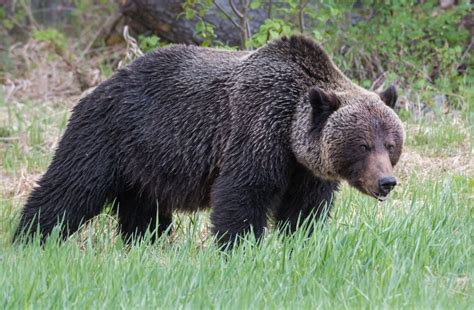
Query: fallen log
x,y
165,19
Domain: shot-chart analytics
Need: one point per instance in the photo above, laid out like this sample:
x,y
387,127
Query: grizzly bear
x,y
248,134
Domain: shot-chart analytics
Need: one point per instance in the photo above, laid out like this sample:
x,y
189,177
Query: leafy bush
x,y
269,30
417,44
53,37
148,43
420,43
197,9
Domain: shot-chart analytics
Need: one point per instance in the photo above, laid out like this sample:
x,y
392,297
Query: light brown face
x,y
353,135
367,143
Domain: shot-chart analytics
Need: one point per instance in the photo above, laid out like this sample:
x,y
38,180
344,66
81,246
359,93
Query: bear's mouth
x,y
380,197
363,188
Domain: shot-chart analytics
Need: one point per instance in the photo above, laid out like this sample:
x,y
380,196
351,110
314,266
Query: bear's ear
x,y
323,103
389,96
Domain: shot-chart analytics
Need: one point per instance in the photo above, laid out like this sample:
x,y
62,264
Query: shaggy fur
x,y
184,128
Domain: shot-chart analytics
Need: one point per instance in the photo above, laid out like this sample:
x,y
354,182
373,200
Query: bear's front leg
x,y
308,198
239,207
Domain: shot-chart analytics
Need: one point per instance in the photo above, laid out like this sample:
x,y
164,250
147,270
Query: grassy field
x,y
415,250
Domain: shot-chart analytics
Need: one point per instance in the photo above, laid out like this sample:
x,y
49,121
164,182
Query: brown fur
x,y
253,134
359,117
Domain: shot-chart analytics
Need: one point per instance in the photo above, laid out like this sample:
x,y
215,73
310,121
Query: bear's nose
x,y
386,184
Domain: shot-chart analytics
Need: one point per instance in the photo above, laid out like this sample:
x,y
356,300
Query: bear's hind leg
x,y
139,214
68,195
81,178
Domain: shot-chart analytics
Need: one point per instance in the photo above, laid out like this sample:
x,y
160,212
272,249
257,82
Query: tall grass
x,y
413,251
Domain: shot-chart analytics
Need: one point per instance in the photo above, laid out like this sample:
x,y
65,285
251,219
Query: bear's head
x,y
353,136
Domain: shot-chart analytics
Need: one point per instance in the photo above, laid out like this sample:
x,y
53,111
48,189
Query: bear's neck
x,y
313,61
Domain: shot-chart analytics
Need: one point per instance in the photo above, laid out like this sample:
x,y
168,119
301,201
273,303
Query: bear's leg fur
x,y
70,193
80,180
138,213
238,208
307,198
250,185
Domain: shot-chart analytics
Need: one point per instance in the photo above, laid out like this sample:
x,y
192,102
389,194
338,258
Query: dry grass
x,y
42,74
426,167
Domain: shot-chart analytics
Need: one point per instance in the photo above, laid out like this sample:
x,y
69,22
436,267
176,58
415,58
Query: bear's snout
x,y
386,184
373,176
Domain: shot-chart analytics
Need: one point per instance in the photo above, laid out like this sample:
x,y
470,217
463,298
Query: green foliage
x,y
106,70
411,39
206,32
7,23
270,30
52,36
4,132
8,20
148,43
446,138
255,4
419,45
196,10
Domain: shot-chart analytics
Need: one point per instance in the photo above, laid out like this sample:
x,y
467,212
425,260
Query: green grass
x,y
443,137
415,250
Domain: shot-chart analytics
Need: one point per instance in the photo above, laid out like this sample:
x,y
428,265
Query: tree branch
x,y
270,6
235,9
302,5
227,14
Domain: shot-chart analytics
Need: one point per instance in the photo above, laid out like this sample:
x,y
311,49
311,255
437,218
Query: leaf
x,y
255,4
317,35
189,13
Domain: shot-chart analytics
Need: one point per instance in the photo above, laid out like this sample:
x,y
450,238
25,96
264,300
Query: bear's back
x,y
184,64
173,120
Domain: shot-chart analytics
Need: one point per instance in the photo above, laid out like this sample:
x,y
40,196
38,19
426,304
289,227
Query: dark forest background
x,y
423,46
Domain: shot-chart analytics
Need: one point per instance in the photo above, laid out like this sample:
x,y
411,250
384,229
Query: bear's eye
x,y
364,147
